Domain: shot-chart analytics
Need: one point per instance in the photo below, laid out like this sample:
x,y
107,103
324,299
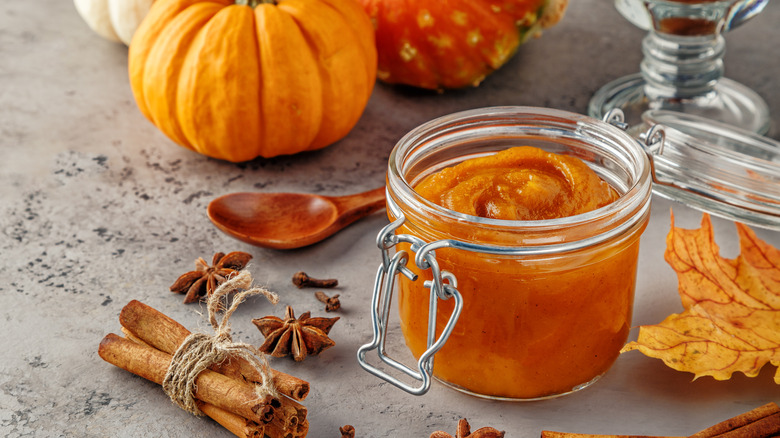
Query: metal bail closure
x,y
382,298
616,118
652,141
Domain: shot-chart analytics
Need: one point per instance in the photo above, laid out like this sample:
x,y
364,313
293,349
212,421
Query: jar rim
x,y
632,197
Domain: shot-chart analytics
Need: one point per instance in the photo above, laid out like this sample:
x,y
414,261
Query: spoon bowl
x,y
289,220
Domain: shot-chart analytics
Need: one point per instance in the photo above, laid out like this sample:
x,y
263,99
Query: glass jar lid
x,y
716,168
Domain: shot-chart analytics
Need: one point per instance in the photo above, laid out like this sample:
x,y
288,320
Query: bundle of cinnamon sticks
x,y
761,422
225,392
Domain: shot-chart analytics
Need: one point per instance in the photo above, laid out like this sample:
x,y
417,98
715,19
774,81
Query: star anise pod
x,y
464,431
205,279
300,337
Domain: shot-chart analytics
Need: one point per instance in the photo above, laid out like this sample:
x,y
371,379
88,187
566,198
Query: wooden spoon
x,y
289,220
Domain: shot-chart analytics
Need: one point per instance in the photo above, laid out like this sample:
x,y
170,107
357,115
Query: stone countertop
x,y
98,208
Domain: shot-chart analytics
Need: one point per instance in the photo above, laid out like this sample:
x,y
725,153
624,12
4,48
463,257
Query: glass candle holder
x,y
682,69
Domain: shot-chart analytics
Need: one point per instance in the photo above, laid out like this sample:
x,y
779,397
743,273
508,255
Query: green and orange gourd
x,y
444,44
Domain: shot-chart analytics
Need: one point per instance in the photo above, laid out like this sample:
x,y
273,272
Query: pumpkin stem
x,y
253,3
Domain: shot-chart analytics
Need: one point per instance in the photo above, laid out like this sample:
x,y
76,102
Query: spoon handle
x,y
361,204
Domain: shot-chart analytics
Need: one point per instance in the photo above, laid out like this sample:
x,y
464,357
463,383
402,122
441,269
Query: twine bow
x,y
199,350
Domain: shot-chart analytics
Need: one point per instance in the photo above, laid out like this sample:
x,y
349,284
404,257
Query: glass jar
x,y
516,310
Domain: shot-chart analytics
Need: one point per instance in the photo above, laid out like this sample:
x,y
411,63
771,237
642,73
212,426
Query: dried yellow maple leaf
x,y
731,320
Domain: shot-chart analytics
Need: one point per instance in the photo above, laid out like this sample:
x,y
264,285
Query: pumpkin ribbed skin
x,y
235,82
439,44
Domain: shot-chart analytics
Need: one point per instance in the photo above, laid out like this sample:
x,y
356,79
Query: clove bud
x,y
301,280
331,303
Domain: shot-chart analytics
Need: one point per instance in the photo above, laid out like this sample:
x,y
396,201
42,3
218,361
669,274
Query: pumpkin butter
x,y
520,183
531,326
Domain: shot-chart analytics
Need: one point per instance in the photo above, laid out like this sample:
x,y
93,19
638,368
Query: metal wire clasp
x,y
442,287
653,141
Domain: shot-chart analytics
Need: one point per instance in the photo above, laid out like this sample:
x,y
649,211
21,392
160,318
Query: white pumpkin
x,y
114,20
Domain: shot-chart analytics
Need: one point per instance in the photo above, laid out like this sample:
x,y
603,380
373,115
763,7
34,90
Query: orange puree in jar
x,y
531,326
520,183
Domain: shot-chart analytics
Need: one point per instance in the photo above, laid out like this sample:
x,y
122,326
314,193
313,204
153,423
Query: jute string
x,y
199,350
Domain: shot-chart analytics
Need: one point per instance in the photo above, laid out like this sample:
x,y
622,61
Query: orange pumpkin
x,y
439,44
263,78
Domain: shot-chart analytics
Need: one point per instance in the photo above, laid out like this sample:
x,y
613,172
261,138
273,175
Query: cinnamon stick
x,y
550,434
300,431
289,415
761,422
764,428
159,331
239,426
129,335
162,332
213,388
303,429
748,424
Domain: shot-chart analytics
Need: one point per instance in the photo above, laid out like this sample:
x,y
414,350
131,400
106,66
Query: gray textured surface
x,y
97,208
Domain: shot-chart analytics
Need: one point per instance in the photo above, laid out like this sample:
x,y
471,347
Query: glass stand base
x,y
730,102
